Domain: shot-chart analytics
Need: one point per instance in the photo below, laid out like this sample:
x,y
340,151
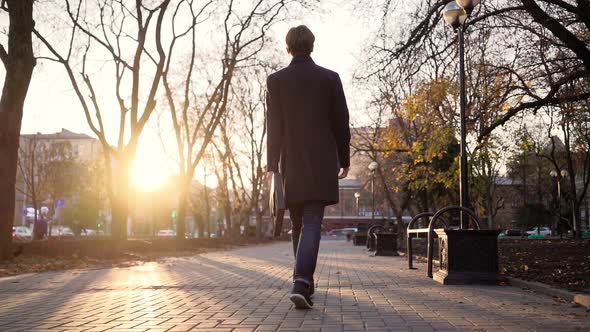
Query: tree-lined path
x,y
246,289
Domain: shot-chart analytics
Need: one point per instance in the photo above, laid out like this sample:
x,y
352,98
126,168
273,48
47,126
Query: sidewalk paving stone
x,y
246,290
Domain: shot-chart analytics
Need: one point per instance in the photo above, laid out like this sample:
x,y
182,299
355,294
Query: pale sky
x,y
340,39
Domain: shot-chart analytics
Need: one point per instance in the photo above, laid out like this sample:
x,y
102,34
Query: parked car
x,y
342,231
166,233
62,231
545,231
21,234
88,232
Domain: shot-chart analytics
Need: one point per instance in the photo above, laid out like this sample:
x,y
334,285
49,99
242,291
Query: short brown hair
x,y
300,40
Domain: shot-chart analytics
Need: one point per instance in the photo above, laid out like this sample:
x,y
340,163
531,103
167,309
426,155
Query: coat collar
x,y
301,59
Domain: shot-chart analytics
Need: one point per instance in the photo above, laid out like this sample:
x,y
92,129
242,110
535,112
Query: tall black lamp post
x,y
455,14
372,167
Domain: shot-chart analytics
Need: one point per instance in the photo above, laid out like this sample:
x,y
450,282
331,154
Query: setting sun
x,y
149,171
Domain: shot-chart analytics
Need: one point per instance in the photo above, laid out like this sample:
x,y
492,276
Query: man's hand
x,y
343,172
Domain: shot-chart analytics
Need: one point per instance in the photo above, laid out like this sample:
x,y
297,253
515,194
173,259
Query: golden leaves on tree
x,y
422,125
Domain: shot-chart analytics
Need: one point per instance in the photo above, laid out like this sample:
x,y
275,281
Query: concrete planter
x,y
468,257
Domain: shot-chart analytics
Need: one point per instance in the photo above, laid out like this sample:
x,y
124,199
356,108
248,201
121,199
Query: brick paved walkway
x,y
245,290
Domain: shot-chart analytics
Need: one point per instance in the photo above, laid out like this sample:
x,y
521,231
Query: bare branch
x,y
3,55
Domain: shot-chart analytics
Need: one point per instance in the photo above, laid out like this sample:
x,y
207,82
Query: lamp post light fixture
x,y
372,167
357,195
455,14
564,173
468,5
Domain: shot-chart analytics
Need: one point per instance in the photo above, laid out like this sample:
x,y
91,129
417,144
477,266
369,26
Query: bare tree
x,y
487,94
197,115
241,155
18,61
130,37
572,121
250,109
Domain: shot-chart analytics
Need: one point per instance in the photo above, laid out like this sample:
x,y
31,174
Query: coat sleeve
x,y
274,125
339,122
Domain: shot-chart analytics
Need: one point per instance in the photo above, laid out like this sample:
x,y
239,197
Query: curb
x,y
581,299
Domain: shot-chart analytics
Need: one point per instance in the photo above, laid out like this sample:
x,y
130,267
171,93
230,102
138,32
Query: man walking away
x,y
308,142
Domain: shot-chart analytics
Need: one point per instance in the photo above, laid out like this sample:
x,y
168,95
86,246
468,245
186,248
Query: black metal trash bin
x,y
385,244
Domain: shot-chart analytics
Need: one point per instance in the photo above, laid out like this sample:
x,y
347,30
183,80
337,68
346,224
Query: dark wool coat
x,y
308,133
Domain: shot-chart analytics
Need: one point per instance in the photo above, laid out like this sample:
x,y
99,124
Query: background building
x,y
39,152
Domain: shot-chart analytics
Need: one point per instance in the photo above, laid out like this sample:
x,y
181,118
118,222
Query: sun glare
x,y
209,179
149,172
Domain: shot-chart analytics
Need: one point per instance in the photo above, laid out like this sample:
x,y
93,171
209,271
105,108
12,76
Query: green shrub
x,y
536,236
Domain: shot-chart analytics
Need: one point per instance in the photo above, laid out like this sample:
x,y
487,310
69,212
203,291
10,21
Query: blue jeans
x,y
306,225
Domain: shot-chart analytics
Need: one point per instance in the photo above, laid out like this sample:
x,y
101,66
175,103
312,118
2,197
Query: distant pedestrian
x,y
308,142
44,225
40,227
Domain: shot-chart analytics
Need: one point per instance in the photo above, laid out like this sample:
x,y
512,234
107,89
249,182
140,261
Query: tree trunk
x,y
572,178
228,216
398,211
401,229
19,63
200,224
227,211
258,223
120,201
490,208
119,219
181,213
424,199
207,220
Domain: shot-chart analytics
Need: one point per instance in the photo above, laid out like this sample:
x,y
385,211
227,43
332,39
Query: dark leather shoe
x,y
311,290
300,295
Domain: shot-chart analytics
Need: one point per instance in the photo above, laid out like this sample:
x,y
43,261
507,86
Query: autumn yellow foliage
x,y
422,124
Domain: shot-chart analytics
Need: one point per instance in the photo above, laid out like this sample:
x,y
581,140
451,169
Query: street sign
x,y
60,203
